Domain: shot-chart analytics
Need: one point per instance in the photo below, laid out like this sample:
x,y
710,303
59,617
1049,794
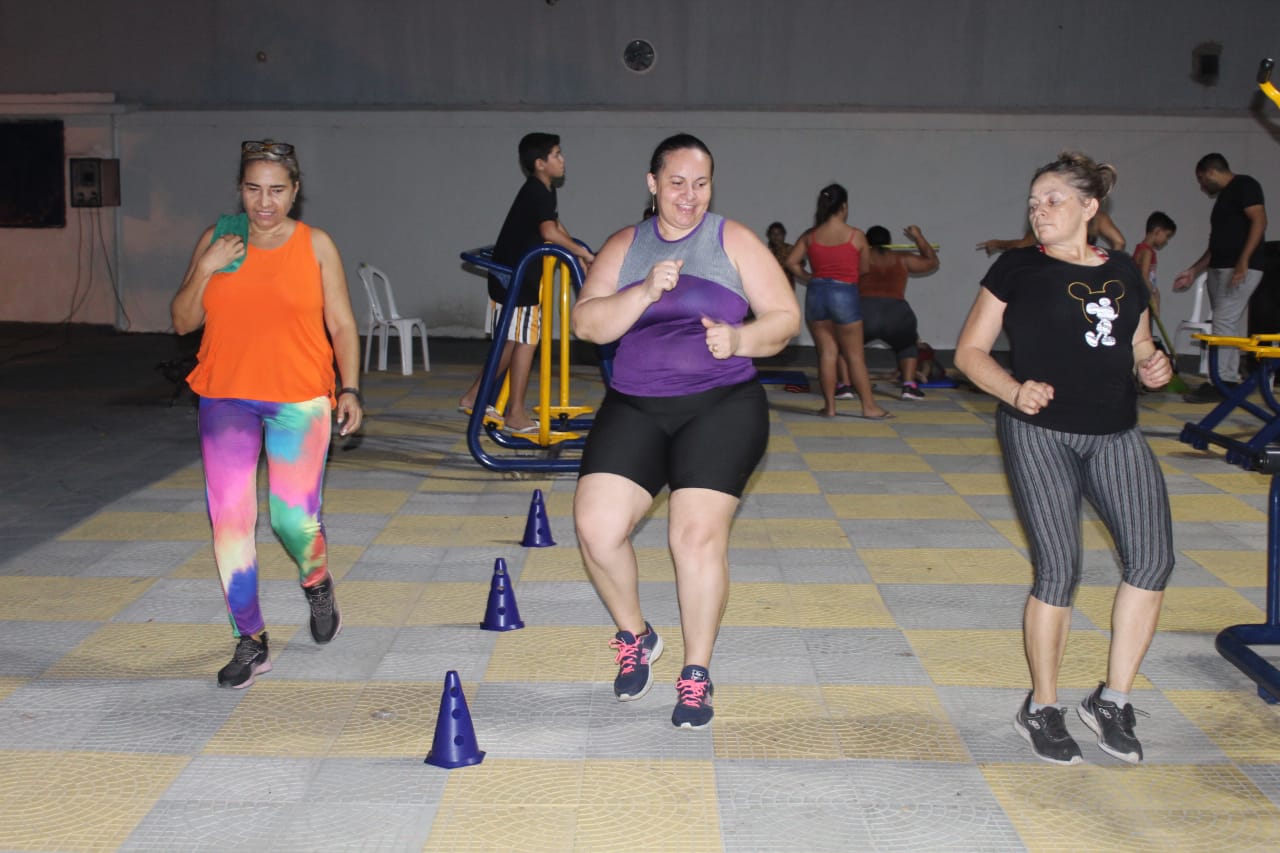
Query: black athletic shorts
x,y
710,440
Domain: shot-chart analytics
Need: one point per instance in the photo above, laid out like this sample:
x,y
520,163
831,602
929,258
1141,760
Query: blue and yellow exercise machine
x,y
561,426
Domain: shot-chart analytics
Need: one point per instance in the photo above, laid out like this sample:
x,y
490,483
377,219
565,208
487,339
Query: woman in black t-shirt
x,y
1077,323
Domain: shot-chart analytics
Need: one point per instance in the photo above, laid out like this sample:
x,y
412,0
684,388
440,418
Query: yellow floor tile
x,y
1010,529
978,484
782,605
126,650
1199,609
370,501
8,684
387,603
902,506
554,564
290,718
955,446
893,724
1238,482
440,603
560,653
64,598
947,565
1237,568
750,722
839,427
571,806
191,477
452,531
143,527
1212,508
1116,807
78,800
1095,535
1246,728
980,658
781,444
788,533
764,482
888,463
903,414
392,720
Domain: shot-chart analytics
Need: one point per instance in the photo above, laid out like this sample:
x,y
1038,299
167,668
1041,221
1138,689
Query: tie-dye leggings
x,y
297,443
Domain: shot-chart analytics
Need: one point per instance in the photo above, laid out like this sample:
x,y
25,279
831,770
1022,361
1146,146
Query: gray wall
x,y
1125,55
408,187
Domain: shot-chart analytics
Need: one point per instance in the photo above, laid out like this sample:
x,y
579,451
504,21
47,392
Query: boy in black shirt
x,y
532,220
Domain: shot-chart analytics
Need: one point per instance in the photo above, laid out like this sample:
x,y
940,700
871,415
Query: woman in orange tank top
x,y
271,294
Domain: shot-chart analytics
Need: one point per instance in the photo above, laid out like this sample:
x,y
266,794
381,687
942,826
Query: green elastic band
x,y
237,224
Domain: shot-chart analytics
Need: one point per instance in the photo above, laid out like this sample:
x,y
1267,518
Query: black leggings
x,y
1050,471
891,321
709,440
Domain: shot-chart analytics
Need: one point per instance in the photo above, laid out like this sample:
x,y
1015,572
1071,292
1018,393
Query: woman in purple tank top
x,y
685,409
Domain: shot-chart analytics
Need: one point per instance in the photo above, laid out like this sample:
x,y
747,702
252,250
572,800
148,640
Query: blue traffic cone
x,y
537,532
501,613
454,744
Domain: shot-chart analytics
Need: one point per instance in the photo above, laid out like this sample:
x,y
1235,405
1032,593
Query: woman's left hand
x,y
349,414
1156,371
722,339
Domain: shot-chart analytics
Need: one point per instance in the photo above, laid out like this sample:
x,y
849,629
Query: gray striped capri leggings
x,y
1050,471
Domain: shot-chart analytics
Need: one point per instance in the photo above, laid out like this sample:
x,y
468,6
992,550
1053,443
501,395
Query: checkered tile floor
x,y
866,676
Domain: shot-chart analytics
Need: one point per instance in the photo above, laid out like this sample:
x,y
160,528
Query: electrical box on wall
x,y
94,182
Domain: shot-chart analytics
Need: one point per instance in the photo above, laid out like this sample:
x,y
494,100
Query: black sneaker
x,y
693,710
845,392
1047,733
1113,725
251,657
1206,393
911,391
326,620
634,658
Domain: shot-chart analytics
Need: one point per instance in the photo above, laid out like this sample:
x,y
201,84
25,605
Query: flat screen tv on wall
x,y
33,186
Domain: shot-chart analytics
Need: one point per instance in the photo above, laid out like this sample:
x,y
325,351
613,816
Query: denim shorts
x,y
828,299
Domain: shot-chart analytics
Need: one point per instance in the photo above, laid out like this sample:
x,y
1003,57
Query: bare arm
x,y
553,232
994,247
1105,227
973,357
187,308
341,324
1154,368
1184,279
926,259
603,313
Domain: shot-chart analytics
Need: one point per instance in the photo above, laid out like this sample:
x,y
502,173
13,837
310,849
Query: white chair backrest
x,y
375,305
1198,306
390,304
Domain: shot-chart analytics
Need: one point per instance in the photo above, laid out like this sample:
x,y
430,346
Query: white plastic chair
x,y
1199,321
385,320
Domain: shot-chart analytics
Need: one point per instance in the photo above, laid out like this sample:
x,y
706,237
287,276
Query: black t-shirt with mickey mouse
x,y
1072,326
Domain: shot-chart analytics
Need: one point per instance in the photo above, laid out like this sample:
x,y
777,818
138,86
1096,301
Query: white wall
x,y
408,190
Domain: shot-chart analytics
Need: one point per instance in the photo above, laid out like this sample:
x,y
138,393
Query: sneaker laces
x,y
628,653
1055,724
692,691
246,650
320,597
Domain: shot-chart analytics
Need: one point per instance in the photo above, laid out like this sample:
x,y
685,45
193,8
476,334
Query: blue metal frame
x,y
549,460
1234,642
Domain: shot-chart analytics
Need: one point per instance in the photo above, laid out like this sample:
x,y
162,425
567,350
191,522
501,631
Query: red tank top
x,y
835,262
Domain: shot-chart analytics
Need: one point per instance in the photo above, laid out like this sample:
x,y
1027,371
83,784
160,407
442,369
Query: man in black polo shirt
x,y
1237,227
532,220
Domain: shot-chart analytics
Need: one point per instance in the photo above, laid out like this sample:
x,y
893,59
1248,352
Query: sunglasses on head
x,y
265,148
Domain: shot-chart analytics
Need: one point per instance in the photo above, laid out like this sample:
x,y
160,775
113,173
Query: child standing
x,y
1160,230
532,220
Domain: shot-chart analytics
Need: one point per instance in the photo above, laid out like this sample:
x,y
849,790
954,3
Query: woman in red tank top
x,y
836,254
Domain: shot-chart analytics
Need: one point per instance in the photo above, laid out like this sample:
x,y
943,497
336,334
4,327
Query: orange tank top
x,y
887,282
264,333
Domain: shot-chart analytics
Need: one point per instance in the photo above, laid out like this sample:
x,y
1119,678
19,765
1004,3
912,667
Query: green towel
x,y
237,224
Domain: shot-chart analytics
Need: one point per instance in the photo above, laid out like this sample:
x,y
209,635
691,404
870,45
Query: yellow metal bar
x,y
546,298
1223,340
